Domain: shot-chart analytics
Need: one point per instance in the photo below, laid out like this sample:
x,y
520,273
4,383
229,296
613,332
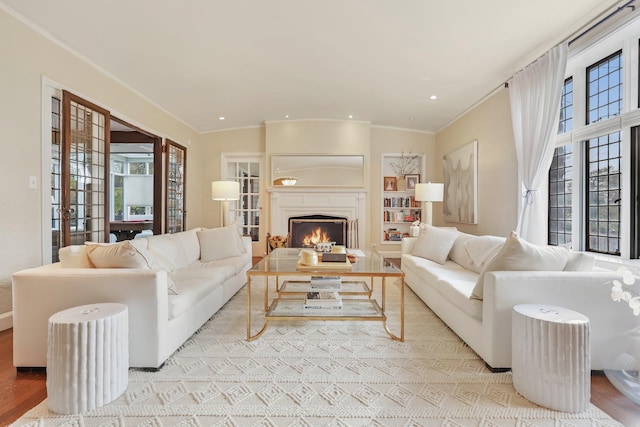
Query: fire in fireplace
x,y
307,231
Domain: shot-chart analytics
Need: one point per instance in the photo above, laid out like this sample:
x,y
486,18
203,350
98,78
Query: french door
x,y
175,183
79,159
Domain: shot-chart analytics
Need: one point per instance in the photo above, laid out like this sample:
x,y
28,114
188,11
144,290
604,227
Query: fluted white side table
x,y
87,357
550,354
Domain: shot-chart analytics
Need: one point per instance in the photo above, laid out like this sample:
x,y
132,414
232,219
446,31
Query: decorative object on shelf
x,y
390,183
461,184
288,181
412,180
225,191
406,165
624,349
428,193
414,230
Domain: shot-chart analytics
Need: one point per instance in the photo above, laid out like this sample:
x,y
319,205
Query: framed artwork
x,y
412,180
390,183
461,184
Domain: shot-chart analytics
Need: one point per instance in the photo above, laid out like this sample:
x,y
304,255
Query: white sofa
x,y
178,282
485,325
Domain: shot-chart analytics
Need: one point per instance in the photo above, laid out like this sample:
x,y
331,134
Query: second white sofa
x,y
172,284
445,278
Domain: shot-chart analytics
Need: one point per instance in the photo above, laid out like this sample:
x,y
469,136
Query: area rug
x,y
320,373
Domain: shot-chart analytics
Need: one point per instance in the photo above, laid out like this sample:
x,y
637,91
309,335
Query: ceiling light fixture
x,y
433,97
350,116
221,118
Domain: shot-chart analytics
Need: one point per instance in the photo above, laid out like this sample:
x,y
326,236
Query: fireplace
x,y
308,230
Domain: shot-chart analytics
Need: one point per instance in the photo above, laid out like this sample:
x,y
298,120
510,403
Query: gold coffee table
x,y
288,302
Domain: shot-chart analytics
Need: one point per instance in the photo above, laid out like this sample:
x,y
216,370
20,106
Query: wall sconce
x,y
224,191
429,193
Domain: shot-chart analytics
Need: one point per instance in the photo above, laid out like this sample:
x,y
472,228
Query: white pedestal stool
x,y
87,357
550,356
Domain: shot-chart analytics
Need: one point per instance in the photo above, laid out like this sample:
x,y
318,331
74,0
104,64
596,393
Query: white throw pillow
x,y
458,253
165,250
117,255
74,256
220,243
519,255
482,249
579,261
435,243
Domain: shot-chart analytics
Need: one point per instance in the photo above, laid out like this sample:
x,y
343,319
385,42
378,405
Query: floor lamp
x,y
224,191
428,193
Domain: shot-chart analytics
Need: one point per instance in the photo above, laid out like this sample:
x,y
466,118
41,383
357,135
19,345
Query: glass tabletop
x,y
285,260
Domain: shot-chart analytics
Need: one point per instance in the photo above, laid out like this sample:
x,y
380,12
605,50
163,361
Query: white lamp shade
x,y
429,192
225,190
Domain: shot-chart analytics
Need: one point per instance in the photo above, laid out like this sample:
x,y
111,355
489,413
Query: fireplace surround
x,y
308,230
298,202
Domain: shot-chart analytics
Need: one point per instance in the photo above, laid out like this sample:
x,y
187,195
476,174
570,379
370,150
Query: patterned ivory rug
x,y
321,374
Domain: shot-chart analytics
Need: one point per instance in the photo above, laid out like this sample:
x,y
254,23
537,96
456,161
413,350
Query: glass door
x,y
175,181
78,173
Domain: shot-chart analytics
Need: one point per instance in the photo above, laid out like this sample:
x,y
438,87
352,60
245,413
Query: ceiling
x,y
253,61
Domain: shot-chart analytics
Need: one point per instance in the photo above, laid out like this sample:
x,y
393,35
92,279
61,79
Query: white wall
x,y
29,59
490,124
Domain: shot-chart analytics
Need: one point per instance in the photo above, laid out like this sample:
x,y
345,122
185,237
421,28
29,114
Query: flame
x,y
316,236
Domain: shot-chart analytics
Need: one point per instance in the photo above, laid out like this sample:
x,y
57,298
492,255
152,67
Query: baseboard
x,y
6,320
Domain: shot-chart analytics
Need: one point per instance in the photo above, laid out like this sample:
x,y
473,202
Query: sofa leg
x,y
28,369
496,370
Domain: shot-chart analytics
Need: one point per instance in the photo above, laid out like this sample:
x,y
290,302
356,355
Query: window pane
x,y
603,203
566,107
560,196
604,89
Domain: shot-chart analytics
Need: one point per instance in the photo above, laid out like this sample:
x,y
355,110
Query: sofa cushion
x,y
165,249
481,249
458,253
579,261
519,255
190,245
220,243
74,256
194,285
434,243
449,279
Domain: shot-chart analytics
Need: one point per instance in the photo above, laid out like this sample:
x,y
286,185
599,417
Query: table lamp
x,y
225,191
428,193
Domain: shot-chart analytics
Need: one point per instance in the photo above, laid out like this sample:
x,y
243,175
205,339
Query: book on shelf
x,y
323,300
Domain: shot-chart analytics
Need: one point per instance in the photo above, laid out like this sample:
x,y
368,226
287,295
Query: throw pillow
x,y
579,261
435,243
481,249
220,243
519,255
117,255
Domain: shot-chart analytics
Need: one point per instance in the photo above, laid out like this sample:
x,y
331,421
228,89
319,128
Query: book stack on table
x,y
326,283
323,300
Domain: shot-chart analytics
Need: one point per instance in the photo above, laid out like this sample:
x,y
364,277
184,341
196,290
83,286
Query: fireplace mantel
x,y
290,202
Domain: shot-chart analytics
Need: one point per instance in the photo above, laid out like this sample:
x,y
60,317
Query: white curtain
x,y
535,94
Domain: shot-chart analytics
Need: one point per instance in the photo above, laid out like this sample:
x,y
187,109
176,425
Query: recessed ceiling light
x,y
221,118
350,116
433,97
286,116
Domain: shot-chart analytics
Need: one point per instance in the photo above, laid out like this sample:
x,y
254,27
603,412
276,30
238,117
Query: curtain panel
x,y
535,94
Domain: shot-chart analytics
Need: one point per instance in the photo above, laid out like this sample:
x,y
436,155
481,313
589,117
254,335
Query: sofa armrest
x,y
248,246
588,293
408,243
40,292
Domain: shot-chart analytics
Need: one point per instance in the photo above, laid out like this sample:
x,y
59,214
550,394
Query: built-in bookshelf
x,y
399,208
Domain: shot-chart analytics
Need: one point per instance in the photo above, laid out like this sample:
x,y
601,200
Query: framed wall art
x,y
461,184
390,183
412,180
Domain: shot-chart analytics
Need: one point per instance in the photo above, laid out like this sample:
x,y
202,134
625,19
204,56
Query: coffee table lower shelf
x,y
356,309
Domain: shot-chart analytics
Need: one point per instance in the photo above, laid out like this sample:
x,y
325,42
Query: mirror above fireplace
x,y
312,170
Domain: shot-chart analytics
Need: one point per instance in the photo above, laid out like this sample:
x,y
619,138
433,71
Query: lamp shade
x,y
225,190
429,192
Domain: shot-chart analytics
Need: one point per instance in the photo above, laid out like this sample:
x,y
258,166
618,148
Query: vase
x,y
623,357
401,184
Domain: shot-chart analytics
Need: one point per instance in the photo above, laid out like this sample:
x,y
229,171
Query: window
x,y
594,179
560,196
566,107
603,200
604,88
